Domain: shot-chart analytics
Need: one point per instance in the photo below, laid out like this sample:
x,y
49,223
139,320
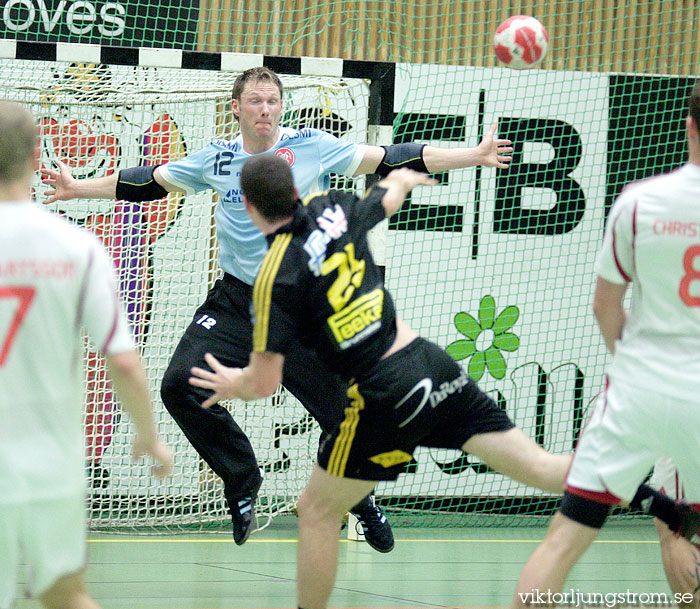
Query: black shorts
x,y
228,335
417,396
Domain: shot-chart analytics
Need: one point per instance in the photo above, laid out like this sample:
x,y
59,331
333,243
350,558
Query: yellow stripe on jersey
x,y
262,291
343,443
307,199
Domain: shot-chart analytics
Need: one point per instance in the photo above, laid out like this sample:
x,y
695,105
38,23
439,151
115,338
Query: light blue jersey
x,y
312,155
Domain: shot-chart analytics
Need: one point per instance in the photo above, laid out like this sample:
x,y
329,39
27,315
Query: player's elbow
x,y
605,312
598,308
124,365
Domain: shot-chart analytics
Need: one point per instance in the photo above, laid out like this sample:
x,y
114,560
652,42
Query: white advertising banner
x,y
520,264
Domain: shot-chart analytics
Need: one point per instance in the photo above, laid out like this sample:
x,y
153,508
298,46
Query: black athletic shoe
x,y
690,523
376,527
242,512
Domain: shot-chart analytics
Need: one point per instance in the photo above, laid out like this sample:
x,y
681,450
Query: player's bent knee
x,y
174,387
585,511
312,509
309,510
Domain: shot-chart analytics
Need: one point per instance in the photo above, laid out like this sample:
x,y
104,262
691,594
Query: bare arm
x,y
609,311
398,184
65,187
490,152
129,381
257,380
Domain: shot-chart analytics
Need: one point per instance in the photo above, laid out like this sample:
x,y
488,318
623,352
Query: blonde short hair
x,y
18,141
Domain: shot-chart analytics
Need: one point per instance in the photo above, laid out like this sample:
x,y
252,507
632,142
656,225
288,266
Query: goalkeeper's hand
x,y
495,152
62,182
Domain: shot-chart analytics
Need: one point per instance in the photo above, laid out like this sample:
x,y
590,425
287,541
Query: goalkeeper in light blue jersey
x,y
311,153
257,104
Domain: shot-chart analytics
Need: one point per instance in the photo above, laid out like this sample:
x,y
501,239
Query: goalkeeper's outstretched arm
x,y
133,184
491,152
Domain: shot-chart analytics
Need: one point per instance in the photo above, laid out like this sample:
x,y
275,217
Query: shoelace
x,y
373,517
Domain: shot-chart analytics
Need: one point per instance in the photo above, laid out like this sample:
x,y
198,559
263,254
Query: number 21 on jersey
x,y
350,274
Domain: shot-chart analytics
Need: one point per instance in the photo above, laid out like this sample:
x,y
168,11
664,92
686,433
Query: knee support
x,y
585,511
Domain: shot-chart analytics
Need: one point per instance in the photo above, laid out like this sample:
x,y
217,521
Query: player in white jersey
x,y
54,280
647,410
222,325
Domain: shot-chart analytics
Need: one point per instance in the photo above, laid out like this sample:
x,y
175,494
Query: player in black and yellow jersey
x,y
319,283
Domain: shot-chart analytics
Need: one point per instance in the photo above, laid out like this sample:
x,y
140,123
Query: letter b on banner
x,y
510,215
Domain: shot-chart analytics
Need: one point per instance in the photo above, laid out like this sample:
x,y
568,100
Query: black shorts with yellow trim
x,y
418,396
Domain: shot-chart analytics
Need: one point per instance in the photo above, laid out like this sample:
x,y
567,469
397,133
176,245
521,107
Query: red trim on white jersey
x,y
115,321
605,497
634,235
622,272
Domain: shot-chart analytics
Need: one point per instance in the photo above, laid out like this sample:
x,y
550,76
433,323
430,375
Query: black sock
x,y
651,501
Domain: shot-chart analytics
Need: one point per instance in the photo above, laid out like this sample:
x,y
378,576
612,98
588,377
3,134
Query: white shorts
x,y
631,427
48,537
665,479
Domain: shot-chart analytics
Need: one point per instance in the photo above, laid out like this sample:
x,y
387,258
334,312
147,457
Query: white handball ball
x,y
521,42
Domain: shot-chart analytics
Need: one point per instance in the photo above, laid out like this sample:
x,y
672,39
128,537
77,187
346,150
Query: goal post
x,y
99,118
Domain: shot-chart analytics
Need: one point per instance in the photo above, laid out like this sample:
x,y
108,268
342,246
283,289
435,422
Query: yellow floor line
x,y
623,541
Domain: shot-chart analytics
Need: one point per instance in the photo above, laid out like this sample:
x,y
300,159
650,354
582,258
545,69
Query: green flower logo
x,y
485,339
